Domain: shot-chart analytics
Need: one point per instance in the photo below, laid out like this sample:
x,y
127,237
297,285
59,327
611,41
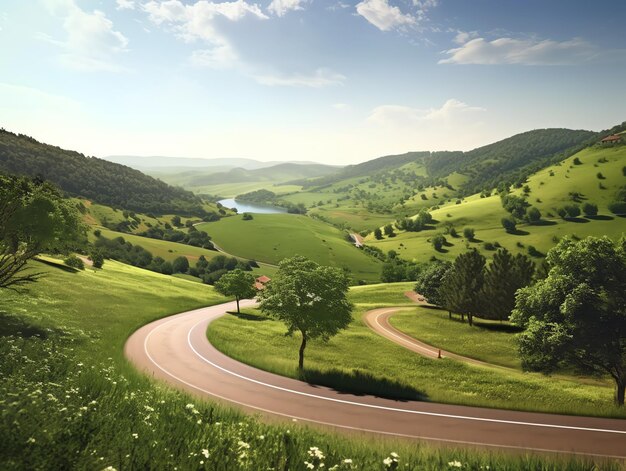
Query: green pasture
x,y
271,237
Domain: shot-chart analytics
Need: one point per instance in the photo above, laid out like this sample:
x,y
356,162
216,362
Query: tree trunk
x,y
470,319
620,388
449,314
237,298
302,347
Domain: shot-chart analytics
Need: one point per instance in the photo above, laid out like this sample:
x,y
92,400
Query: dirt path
x,y
175,350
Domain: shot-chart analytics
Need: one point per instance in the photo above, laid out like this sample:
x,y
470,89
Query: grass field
x,y
172,250
69,400
547,194
360,352
272,237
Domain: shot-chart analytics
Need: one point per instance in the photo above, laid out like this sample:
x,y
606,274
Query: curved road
x,y
175,349
378,321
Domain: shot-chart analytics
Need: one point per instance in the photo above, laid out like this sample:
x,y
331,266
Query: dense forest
x,y
96,179
509,160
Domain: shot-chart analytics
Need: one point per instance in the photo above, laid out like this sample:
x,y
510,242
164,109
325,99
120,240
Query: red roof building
x,y
613,139
261,281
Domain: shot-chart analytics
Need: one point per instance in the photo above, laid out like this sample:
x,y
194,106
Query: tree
x,y
438,242
469,233
430,279
509,224
378,233
504,276
533,215
590,209
516,205
576,316
461,287
33,218
176,222
180,265
308,298
237,283
573,210
97,258
74,262
389,230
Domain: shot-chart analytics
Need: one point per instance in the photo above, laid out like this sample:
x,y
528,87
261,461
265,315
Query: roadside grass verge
x,y
486,341
69,400
264,345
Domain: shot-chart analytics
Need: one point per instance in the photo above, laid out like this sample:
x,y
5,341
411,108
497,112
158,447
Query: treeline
x,y
208,270
510,160
469,287
96,179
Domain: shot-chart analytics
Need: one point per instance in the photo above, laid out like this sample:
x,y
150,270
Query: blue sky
x,y
334,81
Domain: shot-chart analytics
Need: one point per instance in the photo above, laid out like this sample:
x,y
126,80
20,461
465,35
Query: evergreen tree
x,y
462,285
504,276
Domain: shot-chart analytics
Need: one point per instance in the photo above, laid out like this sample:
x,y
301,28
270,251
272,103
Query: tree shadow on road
x,y
362,383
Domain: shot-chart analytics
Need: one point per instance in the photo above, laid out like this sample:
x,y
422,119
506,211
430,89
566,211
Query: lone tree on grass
x,y
237,283
461,287
429,281
576,316
504,276
33,218
378,233
509,224
308,298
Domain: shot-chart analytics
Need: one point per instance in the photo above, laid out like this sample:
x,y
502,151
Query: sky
x,y
332,81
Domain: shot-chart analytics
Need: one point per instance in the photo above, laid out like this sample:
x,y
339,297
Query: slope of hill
x,y
168,163
593,175
99,180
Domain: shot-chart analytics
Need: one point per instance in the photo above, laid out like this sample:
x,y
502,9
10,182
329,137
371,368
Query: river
x,y
251,207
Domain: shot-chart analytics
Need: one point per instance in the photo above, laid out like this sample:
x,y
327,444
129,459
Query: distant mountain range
x,y
168,164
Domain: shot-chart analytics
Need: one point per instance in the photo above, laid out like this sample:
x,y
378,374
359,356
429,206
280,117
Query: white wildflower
x,y
205,452
455,464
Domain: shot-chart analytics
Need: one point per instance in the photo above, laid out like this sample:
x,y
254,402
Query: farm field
x,y
74,326
271,237
360,353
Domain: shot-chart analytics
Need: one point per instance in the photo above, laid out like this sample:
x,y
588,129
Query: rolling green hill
x,y
271,237
549,189
99,180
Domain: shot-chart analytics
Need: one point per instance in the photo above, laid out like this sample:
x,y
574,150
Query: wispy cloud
x,y
320,78
125,4
383,15
520,51
405,116
91,42
282,7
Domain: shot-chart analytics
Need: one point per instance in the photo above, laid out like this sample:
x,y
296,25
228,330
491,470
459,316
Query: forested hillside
x,y
96,179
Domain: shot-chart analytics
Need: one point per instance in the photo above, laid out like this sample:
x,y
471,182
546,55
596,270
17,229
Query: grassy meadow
x,y
69,400
550,189
359,358
271,237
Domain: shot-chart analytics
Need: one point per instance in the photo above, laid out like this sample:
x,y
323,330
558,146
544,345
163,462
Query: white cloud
x,y
384,16
341,106
125,4
521,51
404,116
220,56
281,7
91,41
463,36
196,21
321,78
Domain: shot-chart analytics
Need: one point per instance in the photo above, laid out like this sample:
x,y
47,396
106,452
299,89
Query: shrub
x,y
573,210
533,215
509,224
618,207
180,265
438,242
488,246
97,258
247,217
74,262
562,212
469,233
590,209
97,232
600,176
577,161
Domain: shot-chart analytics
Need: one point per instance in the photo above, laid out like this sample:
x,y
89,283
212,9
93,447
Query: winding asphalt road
x,y
175,349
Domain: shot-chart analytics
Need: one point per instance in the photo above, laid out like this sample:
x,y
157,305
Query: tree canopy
x,y
33,218
237,283
308,298
576,316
